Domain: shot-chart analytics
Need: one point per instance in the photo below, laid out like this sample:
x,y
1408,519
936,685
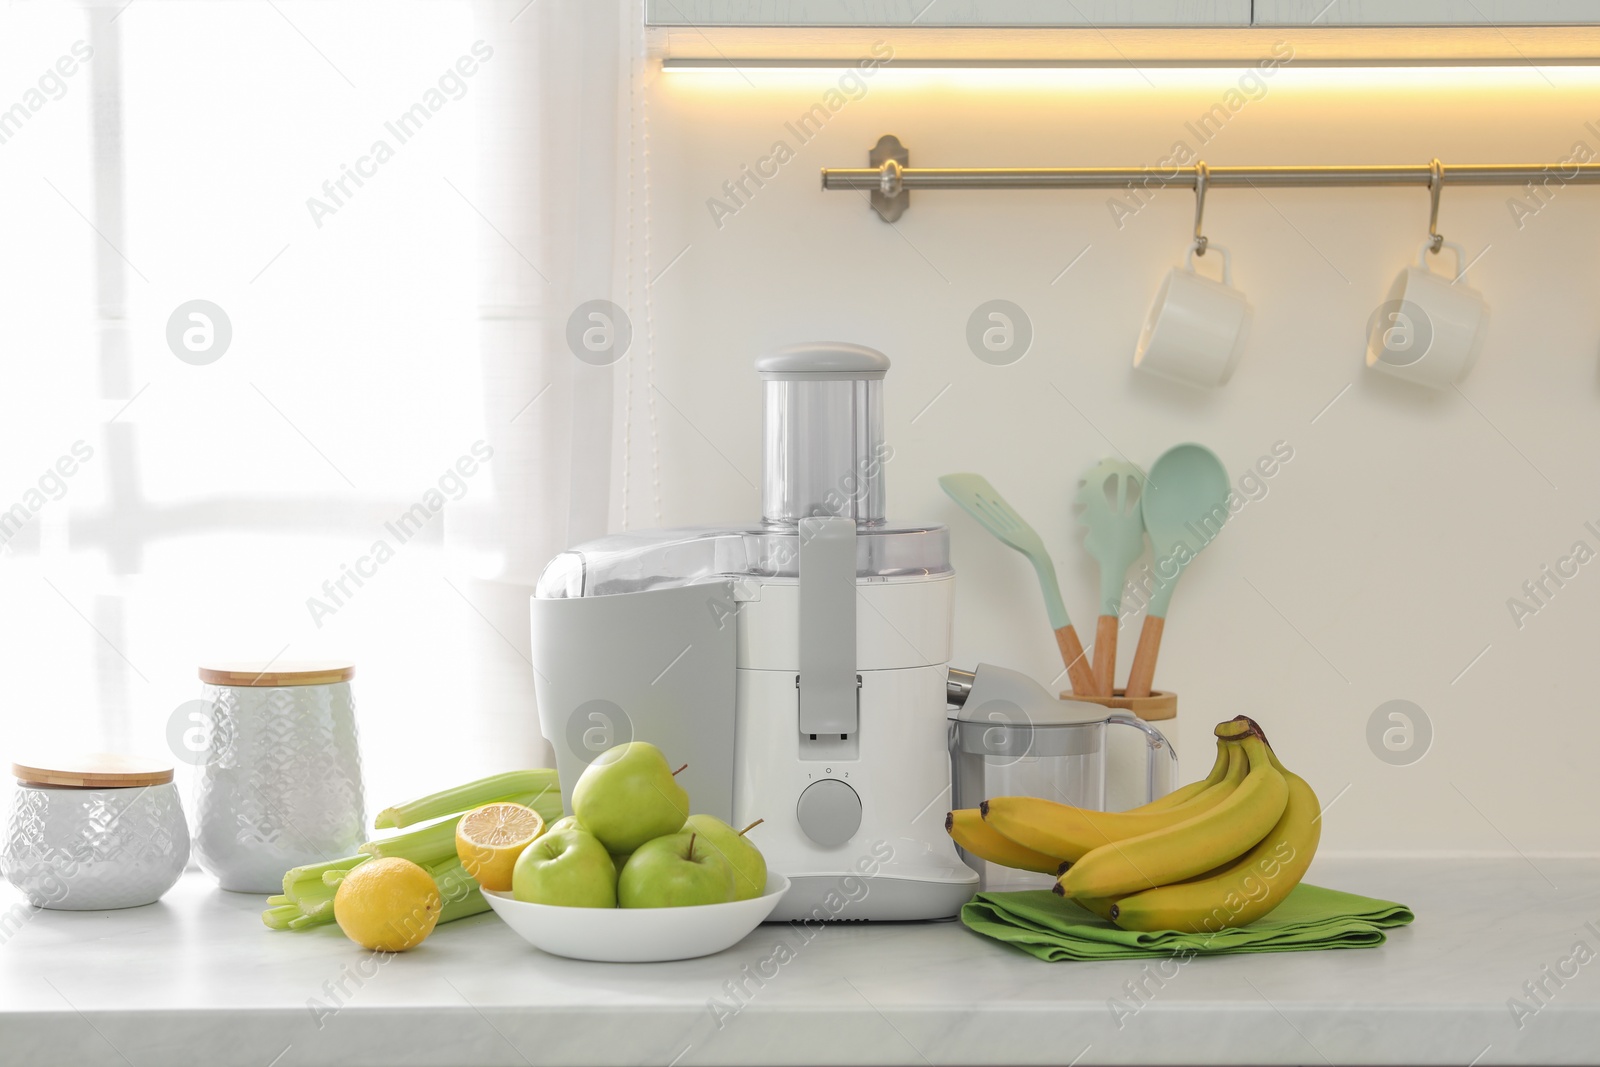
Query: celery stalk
x,y
314,899
299,916
333,878
279,902
464,909
432,844
498,787
546,802
313,872
313,896
461,894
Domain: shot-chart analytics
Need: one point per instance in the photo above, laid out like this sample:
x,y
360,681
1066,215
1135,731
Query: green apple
x,y
749,866
676,871
566,822
628,796
568,868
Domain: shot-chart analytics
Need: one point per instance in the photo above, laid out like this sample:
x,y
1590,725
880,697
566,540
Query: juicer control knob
x,y
829,812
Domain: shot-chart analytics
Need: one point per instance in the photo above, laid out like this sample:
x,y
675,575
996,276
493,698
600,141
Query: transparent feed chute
x,y
825,454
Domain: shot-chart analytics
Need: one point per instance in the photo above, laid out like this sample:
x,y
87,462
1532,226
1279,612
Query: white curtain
x,y
396,316
558,169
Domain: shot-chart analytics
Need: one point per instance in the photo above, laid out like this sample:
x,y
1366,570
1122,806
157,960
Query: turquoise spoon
x,y
1185,505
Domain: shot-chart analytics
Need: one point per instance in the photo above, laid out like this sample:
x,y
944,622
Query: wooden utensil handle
x,y
1143,671
1079,674
1105,654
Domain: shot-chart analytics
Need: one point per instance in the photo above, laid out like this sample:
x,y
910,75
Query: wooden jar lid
x,y
93,770
267,674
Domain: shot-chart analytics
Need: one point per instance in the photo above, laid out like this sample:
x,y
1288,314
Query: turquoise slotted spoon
x,y
980,500
1111,496
1185,505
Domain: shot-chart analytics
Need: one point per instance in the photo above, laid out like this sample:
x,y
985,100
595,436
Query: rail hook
x,y
1202,178
1435,187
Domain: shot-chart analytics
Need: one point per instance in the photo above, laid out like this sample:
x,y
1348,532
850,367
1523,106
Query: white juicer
x,y
798,665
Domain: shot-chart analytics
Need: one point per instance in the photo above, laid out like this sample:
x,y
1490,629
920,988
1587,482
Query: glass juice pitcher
x,y
1010,737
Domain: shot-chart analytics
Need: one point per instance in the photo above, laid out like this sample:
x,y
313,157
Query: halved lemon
x,y
489,840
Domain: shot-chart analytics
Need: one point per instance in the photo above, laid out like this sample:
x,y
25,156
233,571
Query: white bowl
x,y
637,935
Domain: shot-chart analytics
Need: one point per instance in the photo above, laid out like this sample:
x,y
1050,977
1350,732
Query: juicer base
x,y
850,897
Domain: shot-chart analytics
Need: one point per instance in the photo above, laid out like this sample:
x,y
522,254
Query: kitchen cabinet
x,y
1492,13
1121,32
946,13
1118,13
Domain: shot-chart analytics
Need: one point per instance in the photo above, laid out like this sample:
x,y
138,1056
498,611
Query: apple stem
x,y
692,836
752,826
679,770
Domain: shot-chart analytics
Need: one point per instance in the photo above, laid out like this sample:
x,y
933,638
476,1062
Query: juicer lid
x,y
638,561
832,361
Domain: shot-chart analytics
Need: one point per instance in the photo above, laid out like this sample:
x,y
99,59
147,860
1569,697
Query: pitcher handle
x,y
1161,761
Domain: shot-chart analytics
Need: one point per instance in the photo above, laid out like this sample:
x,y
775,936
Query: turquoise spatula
x,y
980,500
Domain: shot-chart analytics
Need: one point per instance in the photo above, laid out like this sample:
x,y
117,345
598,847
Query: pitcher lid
x,y
1003,711
1008,697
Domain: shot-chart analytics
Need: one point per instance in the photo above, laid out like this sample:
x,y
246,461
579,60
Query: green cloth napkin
x,y
1053,928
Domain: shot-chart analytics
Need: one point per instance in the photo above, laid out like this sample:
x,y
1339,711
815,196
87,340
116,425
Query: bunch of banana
x,y
1220,852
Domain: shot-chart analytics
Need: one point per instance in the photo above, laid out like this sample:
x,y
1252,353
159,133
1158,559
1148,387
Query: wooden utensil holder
x,y
1160,704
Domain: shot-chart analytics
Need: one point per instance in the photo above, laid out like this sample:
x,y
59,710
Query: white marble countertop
x,y
196,979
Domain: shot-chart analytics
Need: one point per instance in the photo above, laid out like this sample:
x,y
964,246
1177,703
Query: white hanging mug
x,y
1431,328
1196,329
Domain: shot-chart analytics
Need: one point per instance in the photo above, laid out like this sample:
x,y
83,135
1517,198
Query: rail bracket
x,y
889,207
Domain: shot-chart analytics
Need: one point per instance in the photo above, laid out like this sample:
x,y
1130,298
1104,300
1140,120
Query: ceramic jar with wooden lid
x,y
280,785
94,832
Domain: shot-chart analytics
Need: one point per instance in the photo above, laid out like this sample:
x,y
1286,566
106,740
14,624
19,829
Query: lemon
x,y
490,839
388,905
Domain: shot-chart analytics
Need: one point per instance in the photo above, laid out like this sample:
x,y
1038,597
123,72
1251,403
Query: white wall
x,y
1379,563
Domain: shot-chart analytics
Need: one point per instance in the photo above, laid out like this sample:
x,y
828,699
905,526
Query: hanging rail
x,y
889,179
886,180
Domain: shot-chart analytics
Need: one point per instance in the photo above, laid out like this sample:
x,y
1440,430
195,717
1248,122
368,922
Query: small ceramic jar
x,y
94,833
280,785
